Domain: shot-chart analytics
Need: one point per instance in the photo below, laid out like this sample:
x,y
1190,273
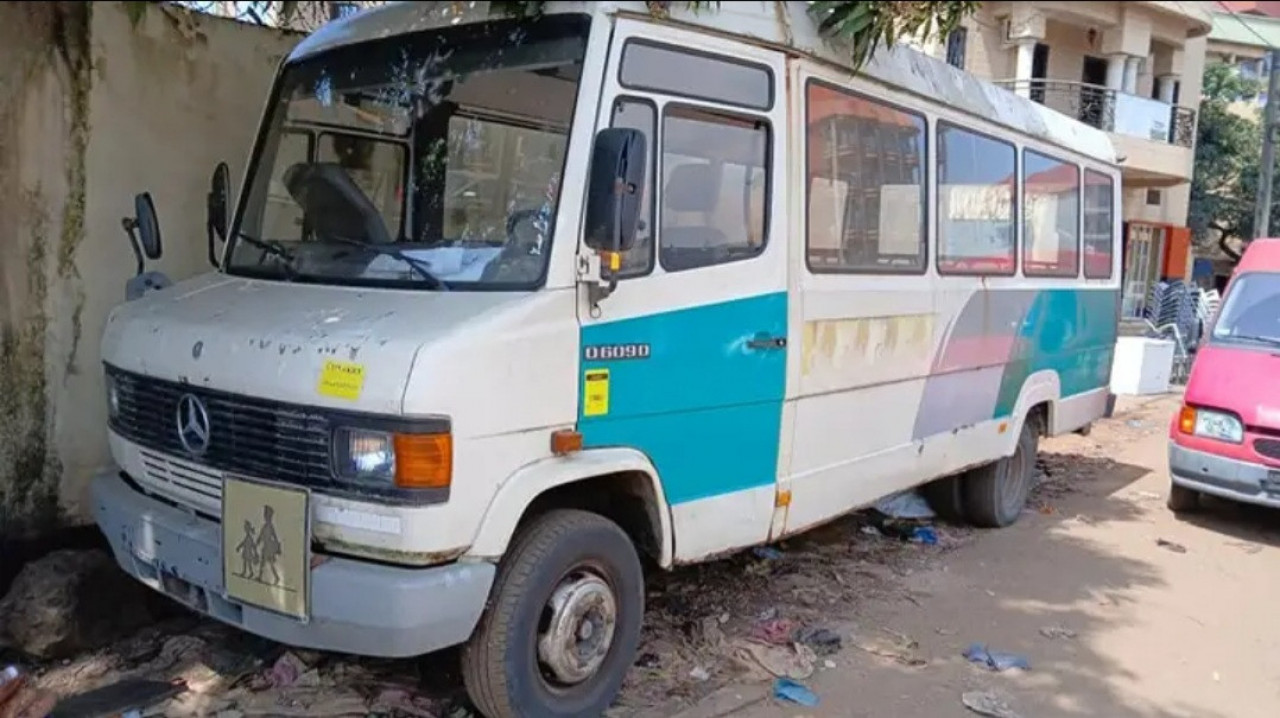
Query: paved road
x,y
1159,633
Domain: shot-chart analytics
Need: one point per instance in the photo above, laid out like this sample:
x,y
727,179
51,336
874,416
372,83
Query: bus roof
x,y
785,25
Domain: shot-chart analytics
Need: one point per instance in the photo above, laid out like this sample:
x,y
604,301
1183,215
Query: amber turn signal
x,y
424,461
1187,420
565,442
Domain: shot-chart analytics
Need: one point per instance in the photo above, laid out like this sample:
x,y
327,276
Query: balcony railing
x,y
1111,110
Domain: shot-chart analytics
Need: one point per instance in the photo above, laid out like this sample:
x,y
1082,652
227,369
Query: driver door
x,y
686,360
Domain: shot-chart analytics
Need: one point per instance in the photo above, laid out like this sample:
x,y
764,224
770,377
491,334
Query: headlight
x,y
366,455
113,398
1210,424
407,461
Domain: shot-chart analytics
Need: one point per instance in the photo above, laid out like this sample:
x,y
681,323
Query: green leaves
x,y
864,25
1227,160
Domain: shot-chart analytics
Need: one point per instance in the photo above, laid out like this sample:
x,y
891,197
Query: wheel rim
x,y
581,617
1016,483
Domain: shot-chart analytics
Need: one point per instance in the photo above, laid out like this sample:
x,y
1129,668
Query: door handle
x,y
763,341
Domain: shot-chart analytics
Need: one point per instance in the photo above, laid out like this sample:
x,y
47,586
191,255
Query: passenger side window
x,y
1099,223
1050,216
715,189
866,188
377,167
640,115
976,180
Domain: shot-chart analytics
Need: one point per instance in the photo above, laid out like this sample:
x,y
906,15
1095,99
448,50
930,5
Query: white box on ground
x,y
1141,366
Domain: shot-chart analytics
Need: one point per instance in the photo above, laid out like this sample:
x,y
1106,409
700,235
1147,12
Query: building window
x,y
1153,197
866,188
1099,224
957,43
976,179
715,197
1050,216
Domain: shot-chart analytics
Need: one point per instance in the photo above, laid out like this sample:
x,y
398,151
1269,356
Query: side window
x,y
976,180
282,218
376,166
684,73
715,188
1050,216
1099,223
640,115
866,188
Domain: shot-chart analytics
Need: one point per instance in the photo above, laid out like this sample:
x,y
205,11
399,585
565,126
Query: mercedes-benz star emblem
x,y
193,424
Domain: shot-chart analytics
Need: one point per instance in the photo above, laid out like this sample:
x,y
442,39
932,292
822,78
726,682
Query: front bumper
x,y
1231,479
357,607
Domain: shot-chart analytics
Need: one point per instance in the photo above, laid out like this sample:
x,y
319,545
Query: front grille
x,y
1269,448
186,482
249,436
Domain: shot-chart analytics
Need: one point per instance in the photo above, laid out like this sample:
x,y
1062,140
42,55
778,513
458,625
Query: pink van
x,y
1225,441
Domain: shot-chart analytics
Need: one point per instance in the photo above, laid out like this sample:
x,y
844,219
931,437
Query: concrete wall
x,y
96,105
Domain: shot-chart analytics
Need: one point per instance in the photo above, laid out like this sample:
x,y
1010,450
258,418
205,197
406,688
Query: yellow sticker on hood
x,y
341,380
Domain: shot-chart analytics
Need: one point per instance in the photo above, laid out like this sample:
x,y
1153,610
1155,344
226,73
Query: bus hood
x,y
273,339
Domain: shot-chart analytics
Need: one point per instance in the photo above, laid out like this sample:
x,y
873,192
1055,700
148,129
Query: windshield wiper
x,y
272,247
416,265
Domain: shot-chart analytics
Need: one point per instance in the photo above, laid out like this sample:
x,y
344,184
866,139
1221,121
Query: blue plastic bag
x,y
788,690
996,660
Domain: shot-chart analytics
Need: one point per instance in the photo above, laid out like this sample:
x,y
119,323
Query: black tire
x,y
500,664
1181,499
996,494
946,498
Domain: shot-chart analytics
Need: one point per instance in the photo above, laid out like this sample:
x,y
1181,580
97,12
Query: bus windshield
x,y
430,160
1251,313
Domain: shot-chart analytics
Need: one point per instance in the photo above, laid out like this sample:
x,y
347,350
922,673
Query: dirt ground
x,y
1120,609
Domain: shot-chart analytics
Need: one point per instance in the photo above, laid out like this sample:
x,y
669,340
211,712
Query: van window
x,y
1050,216
1251,312
685,73
1099,224
976,179
715,187
866,188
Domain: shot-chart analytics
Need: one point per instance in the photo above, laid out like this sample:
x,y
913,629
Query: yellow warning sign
x,y
341,380
595,392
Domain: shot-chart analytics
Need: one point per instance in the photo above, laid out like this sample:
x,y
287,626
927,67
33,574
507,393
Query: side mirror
x,y
615,185
148,226
216,209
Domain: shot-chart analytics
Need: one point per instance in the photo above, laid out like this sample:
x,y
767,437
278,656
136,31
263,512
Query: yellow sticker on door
x,y
595,392
341,380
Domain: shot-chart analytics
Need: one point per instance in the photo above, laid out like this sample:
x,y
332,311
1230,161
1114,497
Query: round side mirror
x,y
148,225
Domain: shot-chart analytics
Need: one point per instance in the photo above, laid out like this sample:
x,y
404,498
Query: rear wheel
x,y
563,624
996,494
946,498
1181,499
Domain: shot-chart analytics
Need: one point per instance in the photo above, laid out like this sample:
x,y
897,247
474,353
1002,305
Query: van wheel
x,y
1181,499
563,624
996,494
946,498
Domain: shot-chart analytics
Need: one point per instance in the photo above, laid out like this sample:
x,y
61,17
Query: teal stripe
x,y
704,407
1069,331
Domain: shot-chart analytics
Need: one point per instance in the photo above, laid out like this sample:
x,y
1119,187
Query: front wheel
x,y
563,624
996,494
1181,499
